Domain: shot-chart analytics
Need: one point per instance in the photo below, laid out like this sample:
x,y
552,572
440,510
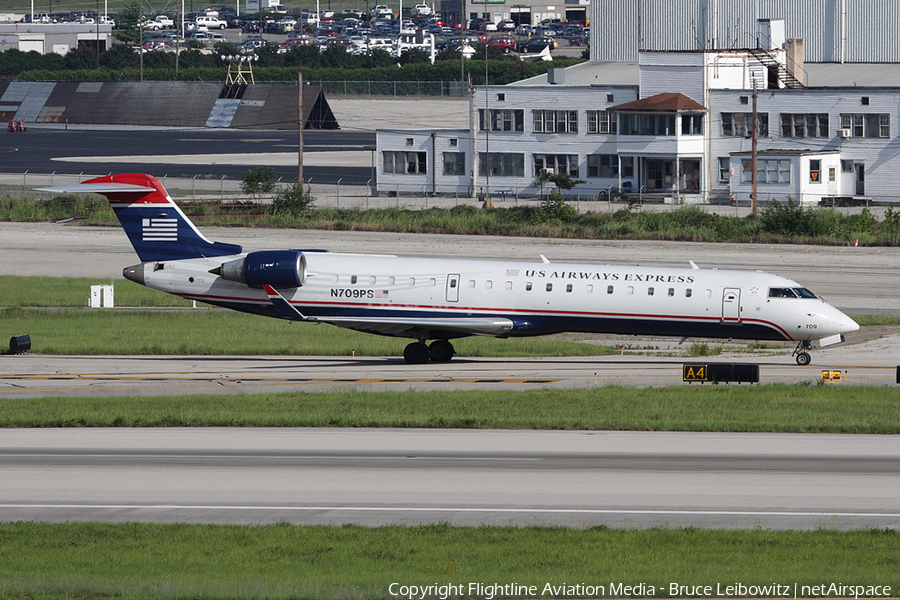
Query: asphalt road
x,y
377,476
43,150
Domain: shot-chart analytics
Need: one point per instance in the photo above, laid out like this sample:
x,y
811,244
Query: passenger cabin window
x,y
569,288
688,292
509,285
707,293
391,280
452,284
609,289
471,284
671,291
649,291
353,279
432,282
412,281
488,284
549,287
528,286
629,290
371,280
589,289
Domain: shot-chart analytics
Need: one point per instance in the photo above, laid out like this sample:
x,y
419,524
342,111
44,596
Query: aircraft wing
x,y
404,327
396,326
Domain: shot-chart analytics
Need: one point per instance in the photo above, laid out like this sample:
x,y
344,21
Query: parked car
x,y
422,10
250,27
503,42
160,22
535,44
506,25
210,23
524,29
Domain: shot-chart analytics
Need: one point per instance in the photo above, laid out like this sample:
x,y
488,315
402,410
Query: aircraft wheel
x,y
441,351
803,359
416,353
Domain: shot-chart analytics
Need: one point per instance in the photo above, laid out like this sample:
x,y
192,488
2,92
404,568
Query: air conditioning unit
x,y
549,171
845,133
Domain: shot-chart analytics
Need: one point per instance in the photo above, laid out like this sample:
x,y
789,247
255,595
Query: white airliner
x,y
441,299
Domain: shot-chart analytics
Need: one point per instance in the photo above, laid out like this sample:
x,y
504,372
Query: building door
x,y
860,169
453,288
731,306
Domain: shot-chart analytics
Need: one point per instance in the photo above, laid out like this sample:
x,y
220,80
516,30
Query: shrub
x,y
293,200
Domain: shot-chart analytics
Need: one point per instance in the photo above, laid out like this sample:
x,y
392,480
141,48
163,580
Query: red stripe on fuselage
x,y
500,311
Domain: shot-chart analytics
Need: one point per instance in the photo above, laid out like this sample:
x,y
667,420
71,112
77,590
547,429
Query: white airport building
x,y
675,126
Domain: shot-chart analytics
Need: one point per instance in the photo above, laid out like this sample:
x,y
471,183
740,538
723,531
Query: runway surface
x,y
378,476
35,376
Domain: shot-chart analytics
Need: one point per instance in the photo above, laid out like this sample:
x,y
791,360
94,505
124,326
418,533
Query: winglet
x,y
282,306
693,265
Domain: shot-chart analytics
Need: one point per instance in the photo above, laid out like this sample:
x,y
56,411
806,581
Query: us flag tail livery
x,y
435,300
154,224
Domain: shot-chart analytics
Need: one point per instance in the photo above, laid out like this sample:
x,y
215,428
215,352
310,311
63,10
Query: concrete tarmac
x,y
388,476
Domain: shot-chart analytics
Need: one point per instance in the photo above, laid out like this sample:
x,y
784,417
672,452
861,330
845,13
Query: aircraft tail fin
x,y
157,228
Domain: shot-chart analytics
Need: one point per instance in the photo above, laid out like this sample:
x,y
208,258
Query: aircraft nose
x,y
847,325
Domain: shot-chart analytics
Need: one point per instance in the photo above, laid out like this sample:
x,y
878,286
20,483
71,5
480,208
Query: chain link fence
x,y
392,88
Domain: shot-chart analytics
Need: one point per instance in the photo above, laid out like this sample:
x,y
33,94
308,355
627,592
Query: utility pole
x,y
300,128
753,140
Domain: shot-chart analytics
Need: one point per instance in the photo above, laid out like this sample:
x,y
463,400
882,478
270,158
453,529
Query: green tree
x,y
293,200
258,182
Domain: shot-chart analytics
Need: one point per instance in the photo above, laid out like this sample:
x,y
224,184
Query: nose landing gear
x,y
800,352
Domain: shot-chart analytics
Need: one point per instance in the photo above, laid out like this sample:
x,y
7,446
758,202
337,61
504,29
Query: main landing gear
x,y
801,353
418,353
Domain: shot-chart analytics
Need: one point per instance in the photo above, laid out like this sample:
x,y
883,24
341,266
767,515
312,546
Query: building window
x,y
409,163
601,121
745,99
610,98
812,125
738,124
561,164
410,142
647,124
555,121
724,168
454,142
832,174
867,125
501,97
767,171
607,165
815,170
503,164
454,163
864,100
502,119
691,124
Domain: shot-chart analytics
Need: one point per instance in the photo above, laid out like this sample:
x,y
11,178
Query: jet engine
x,y
278,268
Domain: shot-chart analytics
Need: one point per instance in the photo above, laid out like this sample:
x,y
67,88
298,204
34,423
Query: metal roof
x,y
594,73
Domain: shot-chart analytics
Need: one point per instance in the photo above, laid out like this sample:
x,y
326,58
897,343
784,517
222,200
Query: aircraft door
x,y
731,306
453,288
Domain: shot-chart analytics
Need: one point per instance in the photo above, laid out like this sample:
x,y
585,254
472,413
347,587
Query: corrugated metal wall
x,y
832,30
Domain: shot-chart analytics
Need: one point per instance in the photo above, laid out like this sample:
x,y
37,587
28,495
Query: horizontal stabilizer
x,y
98,188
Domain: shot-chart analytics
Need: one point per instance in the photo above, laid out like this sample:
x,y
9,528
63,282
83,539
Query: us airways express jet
x,y
440,299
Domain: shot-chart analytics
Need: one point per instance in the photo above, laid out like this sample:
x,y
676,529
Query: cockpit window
x,y
790,293
781,293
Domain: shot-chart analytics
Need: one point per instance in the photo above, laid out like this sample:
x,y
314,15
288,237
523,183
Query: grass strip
x,y
222,332
775,408
91,560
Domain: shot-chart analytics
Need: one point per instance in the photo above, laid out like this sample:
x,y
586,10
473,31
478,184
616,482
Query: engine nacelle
x,y
278,268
